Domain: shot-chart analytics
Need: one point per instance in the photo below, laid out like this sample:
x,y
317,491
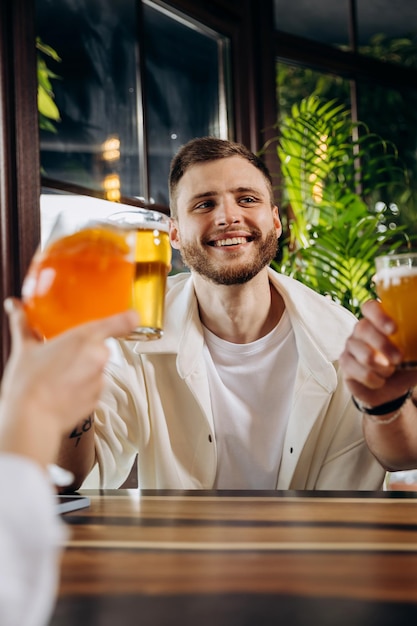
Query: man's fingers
x,y
371,335
374,312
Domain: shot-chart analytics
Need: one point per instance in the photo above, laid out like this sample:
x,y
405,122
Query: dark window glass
x,y
96,141
326,21
392,114
184,89
384,16
295,83
388,30
106,140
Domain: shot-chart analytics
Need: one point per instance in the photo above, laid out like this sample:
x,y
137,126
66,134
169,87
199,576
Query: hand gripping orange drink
x,y
79,277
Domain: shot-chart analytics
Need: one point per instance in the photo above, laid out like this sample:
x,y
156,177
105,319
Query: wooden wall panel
x,y
19,150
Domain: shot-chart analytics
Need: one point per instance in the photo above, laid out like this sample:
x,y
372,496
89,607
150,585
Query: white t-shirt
x,y
31,536
251,390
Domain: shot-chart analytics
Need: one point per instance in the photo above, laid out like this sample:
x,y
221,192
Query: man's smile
x,y
223,240
230,241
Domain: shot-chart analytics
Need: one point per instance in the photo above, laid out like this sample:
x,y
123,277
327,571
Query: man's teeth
x,y
229,242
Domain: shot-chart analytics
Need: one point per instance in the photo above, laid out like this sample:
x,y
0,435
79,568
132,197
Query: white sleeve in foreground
x,y
31,537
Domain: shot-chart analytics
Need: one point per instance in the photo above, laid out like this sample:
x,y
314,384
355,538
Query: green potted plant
x,y
334,177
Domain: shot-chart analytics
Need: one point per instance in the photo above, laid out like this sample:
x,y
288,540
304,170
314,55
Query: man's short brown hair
x,y
205,149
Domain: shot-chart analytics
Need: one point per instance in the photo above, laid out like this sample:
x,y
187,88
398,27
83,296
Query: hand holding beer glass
x,y
152,265
396,286
84,272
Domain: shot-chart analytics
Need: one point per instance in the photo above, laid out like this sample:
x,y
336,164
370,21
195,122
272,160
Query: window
x,y
365,55
110,52
381,23
185,88
134,82
326,22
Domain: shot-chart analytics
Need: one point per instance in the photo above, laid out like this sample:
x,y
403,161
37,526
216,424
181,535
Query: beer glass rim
x,y
390,262
398,255
63,226
136,217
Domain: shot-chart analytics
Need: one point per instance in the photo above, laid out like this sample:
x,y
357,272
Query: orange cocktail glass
x,y
79,277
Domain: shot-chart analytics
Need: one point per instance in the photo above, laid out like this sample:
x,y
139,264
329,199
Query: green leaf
x,y
46,105
47,108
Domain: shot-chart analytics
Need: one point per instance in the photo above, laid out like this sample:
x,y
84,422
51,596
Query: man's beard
x,y
196,259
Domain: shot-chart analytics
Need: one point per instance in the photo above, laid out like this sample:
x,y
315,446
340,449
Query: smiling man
x,y
233,202
244,389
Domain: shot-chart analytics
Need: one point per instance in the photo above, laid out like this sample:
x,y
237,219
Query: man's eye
x,y
247,200
204,205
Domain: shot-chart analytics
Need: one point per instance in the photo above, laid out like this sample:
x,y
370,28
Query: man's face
x,y
226,229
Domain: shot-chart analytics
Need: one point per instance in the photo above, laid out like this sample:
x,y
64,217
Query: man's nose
x,y
227,213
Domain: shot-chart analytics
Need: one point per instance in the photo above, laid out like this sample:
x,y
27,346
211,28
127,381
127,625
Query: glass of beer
x,y
396,286
152,265
83,272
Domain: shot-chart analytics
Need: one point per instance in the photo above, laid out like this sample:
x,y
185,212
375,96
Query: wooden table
x,y
240,558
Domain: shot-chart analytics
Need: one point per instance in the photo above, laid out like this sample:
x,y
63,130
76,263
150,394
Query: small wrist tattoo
x,y
79,430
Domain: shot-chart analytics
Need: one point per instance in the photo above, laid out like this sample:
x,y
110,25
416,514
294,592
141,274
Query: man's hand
x,y
370,359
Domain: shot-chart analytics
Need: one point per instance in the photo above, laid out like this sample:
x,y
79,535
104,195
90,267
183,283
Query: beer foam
x,y
141,219
394,275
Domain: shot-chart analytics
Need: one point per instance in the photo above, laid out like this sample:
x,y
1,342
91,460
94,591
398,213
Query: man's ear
x,y
174,235
277,221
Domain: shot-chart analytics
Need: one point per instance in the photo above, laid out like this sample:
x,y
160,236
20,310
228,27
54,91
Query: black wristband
x,y
383,409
